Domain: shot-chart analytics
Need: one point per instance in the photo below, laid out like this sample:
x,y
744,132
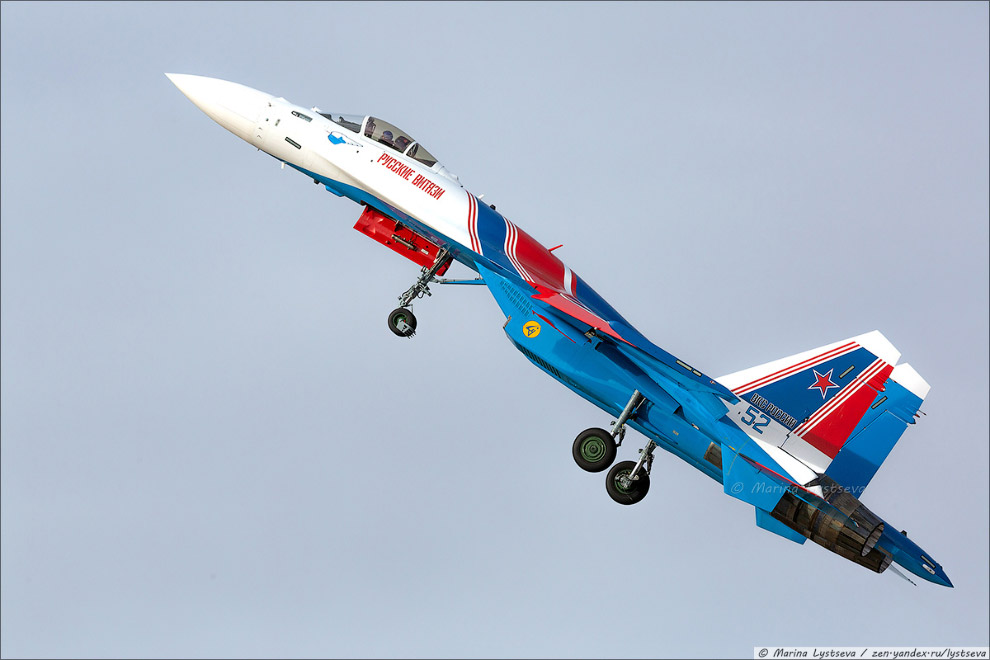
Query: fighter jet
x,y
799,438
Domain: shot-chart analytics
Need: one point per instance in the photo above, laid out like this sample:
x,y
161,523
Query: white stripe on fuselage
x,y
569,283
511,243
473,223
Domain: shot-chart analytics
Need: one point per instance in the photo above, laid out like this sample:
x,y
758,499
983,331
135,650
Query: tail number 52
x,y
749,419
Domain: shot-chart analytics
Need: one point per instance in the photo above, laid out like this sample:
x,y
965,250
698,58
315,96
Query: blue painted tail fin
x,y
840,407
879,430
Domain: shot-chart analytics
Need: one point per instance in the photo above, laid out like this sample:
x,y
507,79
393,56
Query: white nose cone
x,y
233,106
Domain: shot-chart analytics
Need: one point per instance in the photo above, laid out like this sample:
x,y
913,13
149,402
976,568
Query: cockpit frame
x,y
380,131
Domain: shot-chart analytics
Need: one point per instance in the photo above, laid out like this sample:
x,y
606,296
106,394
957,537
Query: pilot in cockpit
x,y
369,129
386,139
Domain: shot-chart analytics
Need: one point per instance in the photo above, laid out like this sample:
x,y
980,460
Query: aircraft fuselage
x,y
759,453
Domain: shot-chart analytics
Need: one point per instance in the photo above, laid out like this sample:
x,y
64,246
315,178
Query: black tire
x,y
402,314
594,450
632,493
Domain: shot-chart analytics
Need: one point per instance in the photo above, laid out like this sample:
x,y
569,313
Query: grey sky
x,y
213,446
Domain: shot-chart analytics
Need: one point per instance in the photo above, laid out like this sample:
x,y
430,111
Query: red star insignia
x,y
823,383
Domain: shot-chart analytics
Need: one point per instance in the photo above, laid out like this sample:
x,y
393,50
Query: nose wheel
x,y
402,322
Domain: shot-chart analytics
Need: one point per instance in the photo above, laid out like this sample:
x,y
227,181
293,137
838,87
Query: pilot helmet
x,y
387,135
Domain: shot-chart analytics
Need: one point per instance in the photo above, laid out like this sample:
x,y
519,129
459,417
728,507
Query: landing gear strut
x,y
623,487
629,481
594,449
401,321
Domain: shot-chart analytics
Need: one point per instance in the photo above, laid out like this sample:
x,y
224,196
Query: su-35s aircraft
x,y
798,438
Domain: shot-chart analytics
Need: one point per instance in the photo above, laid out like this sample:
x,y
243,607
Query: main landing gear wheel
x,y
402,322
594,450
624,490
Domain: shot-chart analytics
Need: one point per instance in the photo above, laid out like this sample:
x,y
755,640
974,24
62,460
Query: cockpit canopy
x,y
385,133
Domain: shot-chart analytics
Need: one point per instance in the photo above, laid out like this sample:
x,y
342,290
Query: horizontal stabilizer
x,y
747,480
771,524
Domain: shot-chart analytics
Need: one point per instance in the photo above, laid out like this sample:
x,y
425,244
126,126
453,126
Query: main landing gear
x,y
402,321
595,449
629,481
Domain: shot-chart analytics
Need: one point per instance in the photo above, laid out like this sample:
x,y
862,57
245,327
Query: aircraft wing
x,y
551,284
568,305
658,363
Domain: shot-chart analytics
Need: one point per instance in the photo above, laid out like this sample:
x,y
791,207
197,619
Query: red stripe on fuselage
x,y
556,284
556,328
537,261
761,466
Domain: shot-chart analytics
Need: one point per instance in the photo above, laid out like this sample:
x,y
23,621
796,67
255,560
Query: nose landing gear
x,y
401,321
